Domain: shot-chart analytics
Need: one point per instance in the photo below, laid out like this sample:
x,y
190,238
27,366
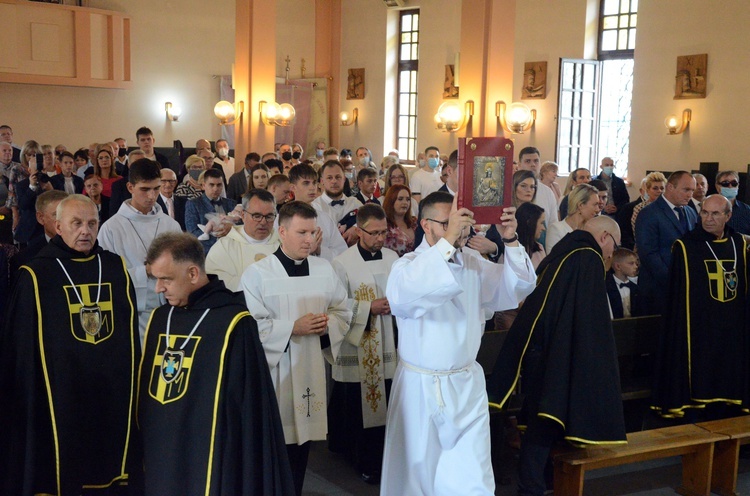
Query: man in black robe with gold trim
x,y
68,357
563,341
206,405
703,359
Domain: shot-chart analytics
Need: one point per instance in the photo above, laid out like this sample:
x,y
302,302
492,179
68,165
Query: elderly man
x,y
727,185
166,193
705,321
231,444
562,341
68,366
701,188
246,244
437,431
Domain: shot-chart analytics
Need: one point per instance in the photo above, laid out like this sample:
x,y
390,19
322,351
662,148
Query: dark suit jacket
x,y
195,213
361,198
619,191
27,224
104,212
58,182
26,254
237,186
623,218
615,300
656,229
120,193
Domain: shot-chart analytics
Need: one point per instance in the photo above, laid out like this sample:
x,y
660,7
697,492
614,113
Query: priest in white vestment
x,y
365,365
246,244
437,432
302,312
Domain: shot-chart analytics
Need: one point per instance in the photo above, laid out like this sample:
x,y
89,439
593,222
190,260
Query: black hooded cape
x,y
67,398
562,341
209,418
704,354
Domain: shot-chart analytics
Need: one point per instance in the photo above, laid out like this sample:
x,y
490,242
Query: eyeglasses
x,y
259,217
443,223
377,234
729,184
617,247
169,180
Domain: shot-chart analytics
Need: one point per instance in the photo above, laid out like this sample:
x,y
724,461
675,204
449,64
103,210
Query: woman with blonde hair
x,y
191,183
548,176
583,205
656,182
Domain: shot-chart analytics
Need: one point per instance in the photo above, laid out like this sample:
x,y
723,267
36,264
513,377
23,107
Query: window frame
x,y
411,65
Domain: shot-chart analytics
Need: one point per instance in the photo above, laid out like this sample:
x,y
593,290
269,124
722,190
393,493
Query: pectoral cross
x,y
308,396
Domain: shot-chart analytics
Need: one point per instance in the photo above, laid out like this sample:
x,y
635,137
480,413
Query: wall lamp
x,y
517,118
173,112
347,119
274,114
451,118
674,126
228,113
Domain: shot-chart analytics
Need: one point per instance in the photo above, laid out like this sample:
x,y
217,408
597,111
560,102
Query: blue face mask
x,y
433,162
608,170
729,193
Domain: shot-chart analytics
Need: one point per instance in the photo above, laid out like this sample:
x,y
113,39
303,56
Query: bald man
x,y
562,340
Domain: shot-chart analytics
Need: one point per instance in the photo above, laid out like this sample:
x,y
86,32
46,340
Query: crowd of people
x,y
170,328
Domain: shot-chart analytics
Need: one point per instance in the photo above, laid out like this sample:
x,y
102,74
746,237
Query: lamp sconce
x,y
674,126
274,114
348,119
173,112
450,118
517,119
228,113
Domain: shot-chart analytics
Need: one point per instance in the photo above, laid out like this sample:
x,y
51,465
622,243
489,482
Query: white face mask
x,y
223,152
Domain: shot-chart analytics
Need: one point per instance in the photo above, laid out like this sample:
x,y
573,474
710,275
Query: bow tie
x,y
628,284
216,202
337,202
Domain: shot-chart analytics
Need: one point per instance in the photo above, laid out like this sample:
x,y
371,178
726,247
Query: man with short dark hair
x,y
224,422
580,175
363,371
6,135
602,194
145,139
254,240
728,186
46,216
239,181
199,211
301,308
530,159
131,230
68,367
367,179
285,152
340,208
280,187
223,159
427,179
657,227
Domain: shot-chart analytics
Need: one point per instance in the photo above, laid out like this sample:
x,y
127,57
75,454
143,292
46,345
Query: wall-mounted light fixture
x,y
173,112
451,118
348,119
274,114
227,113
517,118
674,126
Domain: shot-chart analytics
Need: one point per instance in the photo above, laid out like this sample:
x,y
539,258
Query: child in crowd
x,y
622,285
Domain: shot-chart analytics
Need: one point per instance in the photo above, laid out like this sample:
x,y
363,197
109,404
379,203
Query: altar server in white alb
x,y
437,433
365,365
302,312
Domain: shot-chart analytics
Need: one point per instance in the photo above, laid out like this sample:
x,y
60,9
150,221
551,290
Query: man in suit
x,y
366,181
210,202
239,180
657,227
617,192
624,216
622,290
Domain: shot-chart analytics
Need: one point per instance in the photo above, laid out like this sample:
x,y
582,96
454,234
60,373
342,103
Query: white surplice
x,y
231,255
276,300
367,357
437,432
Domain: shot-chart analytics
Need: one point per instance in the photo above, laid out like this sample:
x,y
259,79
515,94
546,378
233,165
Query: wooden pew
x,y
694,444
726,453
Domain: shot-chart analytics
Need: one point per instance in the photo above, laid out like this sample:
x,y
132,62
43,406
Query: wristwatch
x,y
510,240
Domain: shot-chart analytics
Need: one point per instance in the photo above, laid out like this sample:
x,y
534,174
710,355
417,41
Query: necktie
x,y
337,202
170,207
683,219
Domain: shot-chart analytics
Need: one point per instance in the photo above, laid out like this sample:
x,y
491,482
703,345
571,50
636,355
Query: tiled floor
x,y
329,474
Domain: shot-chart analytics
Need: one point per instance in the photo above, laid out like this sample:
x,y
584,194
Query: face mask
x,y
319,153
729,193
122,152
195,174
223,152
433,162
349,175
296,155
364,161
287,156
608,170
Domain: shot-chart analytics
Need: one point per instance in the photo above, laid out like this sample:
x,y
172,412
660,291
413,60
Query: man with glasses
x,y
437,431
246,244
727,185
166,193
561,343
364,368
703,357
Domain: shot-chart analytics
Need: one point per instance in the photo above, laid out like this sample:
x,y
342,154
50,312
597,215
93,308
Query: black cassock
x,y
207,410
704,349
67,396
562,344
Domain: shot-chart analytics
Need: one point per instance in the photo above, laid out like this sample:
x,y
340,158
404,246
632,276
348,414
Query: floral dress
x,y
398,241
